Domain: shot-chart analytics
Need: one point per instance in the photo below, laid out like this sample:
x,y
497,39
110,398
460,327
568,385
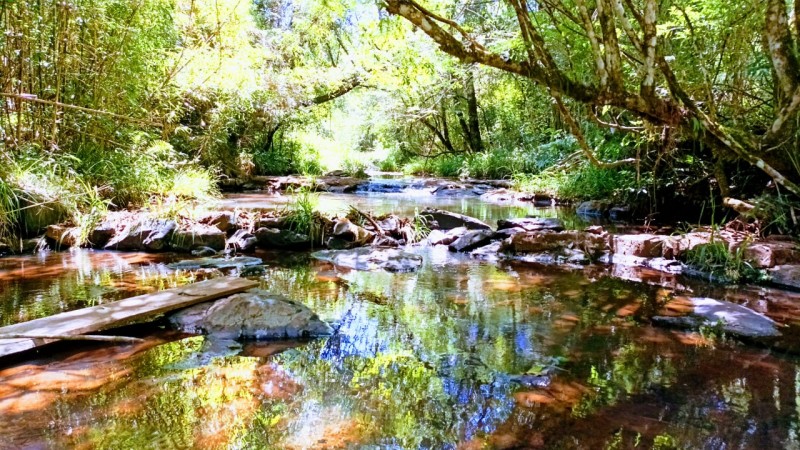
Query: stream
x,y
462,354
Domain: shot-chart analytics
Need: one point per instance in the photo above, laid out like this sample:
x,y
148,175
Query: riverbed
x,y
461,354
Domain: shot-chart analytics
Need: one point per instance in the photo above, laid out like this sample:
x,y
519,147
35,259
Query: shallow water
x,y
411,198
431,359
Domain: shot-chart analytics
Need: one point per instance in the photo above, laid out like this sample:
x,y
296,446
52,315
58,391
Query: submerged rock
x,y
371,258
734,319
204,251
216,263
447,220
255,314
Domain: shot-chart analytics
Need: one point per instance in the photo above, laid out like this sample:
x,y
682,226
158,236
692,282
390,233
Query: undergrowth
x,y
39,188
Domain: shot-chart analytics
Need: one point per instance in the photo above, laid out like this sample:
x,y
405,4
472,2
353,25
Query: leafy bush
x,y
355,168
288,158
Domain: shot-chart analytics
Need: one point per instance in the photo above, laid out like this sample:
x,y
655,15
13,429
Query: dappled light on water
x,y
460,354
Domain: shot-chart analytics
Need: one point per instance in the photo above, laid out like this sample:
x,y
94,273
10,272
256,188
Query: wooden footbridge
x,y
74,325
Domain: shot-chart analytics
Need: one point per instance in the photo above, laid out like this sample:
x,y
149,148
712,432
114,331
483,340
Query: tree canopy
x,y
640,99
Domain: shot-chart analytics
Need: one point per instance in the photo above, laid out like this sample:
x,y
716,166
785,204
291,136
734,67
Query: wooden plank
x,y
109,315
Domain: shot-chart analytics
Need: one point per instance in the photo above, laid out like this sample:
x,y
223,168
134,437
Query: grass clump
x,y
301,214
727,266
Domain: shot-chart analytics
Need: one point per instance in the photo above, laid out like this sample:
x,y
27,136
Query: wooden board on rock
x,y
122,312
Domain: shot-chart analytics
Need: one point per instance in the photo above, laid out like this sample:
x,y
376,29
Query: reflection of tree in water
x,y
434,358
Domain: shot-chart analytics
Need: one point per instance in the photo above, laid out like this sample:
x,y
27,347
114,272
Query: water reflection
x,y
406,204
460,355
48,283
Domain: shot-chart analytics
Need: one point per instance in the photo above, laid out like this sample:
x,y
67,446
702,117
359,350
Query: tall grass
x,y
301,213
38,188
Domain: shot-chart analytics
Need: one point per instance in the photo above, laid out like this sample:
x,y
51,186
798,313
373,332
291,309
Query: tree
x,y
610,54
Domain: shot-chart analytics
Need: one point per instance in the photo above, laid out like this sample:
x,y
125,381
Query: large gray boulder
x,y
447,220
255,314
198,236
372,258
144,234
737,320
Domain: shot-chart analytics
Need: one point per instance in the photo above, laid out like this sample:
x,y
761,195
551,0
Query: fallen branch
x,y
737,205
369,218
34,99
76,337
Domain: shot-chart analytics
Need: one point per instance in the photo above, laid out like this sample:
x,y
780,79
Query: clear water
x,y
431,359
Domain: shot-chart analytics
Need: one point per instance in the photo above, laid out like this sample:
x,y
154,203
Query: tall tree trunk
x,y
473,122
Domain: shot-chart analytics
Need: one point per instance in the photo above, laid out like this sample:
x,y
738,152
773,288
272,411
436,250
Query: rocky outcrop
x,y
282,239
639,245
225,221
471,240
439,237
242,241
198,236
351,233
61,236
145,234
532,224
593,208
255,314
505,196
769,253
787,275
446,220
372,258
553,243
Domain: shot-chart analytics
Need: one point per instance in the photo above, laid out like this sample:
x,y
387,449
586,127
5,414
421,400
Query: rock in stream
x,y
372,258
255,314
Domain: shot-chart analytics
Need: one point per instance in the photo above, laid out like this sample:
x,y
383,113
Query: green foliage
x,y
9,208
729,266
355,168
301,213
